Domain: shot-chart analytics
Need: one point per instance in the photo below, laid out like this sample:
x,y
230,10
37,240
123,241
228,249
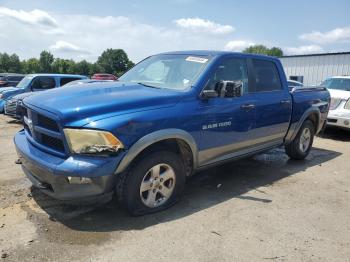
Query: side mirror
x,y
230,88
206,94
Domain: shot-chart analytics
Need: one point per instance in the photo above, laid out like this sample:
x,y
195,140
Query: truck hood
x,y
339,94
78,105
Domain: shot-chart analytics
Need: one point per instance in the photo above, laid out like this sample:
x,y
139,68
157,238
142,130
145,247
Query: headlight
x,y
87,141
347,105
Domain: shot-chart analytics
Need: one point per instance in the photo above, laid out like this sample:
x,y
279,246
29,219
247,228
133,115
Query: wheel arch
x,y
312,114
156,138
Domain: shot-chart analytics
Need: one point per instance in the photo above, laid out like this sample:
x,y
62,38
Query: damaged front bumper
x,y
82,178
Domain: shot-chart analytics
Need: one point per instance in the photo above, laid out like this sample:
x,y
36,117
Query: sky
x,y
82,29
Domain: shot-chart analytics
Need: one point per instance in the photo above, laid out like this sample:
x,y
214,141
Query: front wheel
x,y
153,183
301,145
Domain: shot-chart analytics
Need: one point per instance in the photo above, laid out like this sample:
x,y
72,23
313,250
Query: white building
x,y
313,69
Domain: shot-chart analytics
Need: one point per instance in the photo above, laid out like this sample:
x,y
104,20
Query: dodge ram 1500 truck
x,y
169,116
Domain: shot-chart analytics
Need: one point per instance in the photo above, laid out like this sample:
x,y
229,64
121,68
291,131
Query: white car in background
x,y
339,111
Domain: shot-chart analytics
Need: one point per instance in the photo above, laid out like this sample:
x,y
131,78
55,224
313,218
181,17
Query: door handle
x,y
247,106
283,102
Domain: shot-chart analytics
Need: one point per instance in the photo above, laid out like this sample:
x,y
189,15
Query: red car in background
x,y
104,77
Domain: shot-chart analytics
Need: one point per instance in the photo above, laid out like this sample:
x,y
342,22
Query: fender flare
x,y
295,127
155,137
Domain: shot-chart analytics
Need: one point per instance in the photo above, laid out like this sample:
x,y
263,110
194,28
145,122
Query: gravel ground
x,y
266,208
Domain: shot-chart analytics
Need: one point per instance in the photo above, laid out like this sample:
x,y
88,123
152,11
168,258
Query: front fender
x,y
154,137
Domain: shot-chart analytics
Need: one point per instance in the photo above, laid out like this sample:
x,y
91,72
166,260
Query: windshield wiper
x,y
140,83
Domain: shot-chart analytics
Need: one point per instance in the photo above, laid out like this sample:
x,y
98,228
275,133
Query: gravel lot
x,y
266,208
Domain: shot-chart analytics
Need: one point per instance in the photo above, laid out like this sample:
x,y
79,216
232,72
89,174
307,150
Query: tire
x,y
158,176
301,145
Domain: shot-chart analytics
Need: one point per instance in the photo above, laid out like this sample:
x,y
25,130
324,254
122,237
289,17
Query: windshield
x,y
25,82
337,83
176,72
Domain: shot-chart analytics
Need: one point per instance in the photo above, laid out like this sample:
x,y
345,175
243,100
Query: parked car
x,y
292,84
339,112
13,106
104,77
168,117
8,79
35,82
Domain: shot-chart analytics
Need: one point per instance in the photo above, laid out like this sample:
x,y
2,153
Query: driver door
x,y
228,122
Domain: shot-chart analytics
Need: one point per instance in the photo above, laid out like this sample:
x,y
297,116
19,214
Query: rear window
x,y
65,80
266,76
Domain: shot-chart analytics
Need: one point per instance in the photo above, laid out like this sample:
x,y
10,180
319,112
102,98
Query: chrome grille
x,y
10,107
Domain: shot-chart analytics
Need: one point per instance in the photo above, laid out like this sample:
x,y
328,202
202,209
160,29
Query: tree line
x,y
263,50
112,61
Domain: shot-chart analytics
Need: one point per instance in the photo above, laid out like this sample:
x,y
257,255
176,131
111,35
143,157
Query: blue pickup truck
x,y
34,83
169,116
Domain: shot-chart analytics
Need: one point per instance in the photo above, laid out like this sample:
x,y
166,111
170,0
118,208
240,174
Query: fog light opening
x,y
79,180
346,122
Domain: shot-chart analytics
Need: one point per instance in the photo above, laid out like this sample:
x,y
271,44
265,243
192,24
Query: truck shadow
x,y
335,133
204,190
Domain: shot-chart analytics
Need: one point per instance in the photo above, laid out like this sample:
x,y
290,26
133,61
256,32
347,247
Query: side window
x,y
266,76
14,78
231,69
43,83
66,80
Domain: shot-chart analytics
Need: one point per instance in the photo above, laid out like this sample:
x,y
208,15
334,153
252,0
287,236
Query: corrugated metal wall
x,y
316,68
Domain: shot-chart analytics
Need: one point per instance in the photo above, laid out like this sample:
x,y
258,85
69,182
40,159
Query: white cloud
x,y
341,34
34,17
306,49
78,36
202,25
238,45
65,47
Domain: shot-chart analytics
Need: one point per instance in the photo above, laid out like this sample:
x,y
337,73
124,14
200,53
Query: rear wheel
x,y
153,183
301,145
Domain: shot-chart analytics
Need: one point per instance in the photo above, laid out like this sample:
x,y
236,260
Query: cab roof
x,y
57,75
215,53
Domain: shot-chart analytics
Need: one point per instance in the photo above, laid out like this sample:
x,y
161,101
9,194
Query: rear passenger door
x,y
273,102
42,83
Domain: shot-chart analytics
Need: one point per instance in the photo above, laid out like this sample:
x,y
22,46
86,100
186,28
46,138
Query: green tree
x,y
63,66
83,68
15,64
263,50
113,61
4,62
130,64
31,66
46,59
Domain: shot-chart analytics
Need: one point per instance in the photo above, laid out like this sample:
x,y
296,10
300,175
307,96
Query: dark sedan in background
x,y
8,79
